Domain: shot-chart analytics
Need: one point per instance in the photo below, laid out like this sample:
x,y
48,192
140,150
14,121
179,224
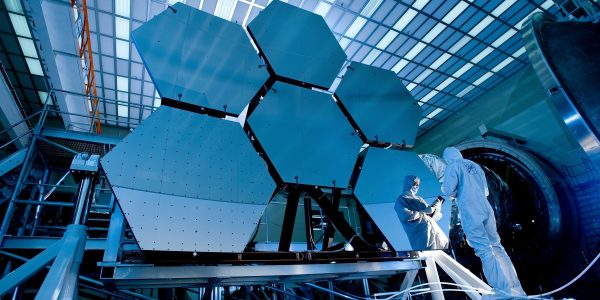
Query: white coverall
x,y
465,180
422,230
436,164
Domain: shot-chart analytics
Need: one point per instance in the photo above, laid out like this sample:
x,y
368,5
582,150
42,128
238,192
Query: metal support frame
x,y
329,229
310,244
151,276
30,268
457,272
12,161
287,228
115,235
27,162
336,218
61,281
82,278
407,282
433,278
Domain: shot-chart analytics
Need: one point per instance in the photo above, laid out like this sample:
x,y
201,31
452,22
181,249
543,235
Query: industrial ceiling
x,y
447,53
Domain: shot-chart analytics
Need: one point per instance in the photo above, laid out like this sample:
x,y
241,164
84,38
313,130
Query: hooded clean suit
x,y
465,180
419,219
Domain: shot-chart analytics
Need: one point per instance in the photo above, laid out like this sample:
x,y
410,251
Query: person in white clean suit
x,y
419,219
465,180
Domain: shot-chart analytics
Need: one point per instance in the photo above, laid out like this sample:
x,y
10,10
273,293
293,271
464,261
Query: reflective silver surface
x,y
131,276
306,136
573,116
297,44
211,183
381,182
380,104
205,59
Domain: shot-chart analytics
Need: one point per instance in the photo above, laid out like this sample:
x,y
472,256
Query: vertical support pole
x,y
409,279
330,287
40,198
22,175
308,224
10,210
39,189
287,228
330,230
115,234
434,279
83,200
366,290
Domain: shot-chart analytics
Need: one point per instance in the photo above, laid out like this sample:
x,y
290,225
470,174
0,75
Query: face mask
x,y
414,189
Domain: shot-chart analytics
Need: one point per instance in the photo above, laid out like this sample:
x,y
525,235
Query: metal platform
x,y
124,276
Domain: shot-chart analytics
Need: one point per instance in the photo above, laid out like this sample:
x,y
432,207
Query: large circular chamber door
x,y
533,211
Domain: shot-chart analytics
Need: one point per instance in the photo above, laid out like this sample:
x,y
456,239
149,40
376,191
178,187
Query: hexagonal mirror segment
x,y
306,136
297,44
189,182
381,182
380,105
200,59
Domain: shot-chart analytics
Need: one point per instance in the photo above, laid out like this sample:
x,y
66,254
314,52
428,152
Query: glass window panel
x,y
433,33
370,8
19,23
122,7
356,26
371,56
322,9
34,66
406,18
387,39
122,84
455,12
504,5
122,49
28,47
419,4
122,28
225,9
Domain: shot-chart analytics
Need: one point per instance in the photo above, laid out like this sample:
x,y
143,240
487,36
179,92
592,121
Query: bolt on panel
x,y
188,160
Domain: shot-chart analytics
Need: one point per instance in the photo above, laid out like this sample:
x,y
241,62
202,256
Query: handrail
x,y
17,138
15,124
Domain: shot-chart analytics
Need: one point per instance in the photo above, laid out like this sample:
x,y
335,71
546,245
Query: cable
x,y
570,282
465,288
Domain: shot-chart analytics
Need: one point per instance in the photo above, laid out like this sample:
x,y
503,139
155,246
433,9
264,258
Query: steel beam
x,y
28,269
433,278
457,272
61,281
289,218
125,276
79,136
115,235
12,161
35,242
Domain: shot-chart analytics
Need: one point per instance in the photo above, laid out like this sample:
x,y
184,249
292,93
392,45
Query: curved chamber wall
x,y
534,212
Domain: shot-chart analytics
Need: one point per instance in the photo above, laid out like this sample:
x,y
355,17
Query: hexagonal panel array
x,y
199,58
189,182
297,44
381,182
380,104
306,136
